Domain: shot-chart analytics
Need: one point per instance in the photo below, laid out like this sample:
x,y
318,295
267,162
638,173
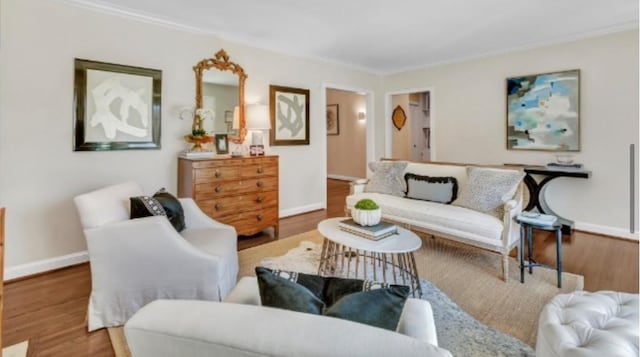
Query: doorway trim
x,y
388,127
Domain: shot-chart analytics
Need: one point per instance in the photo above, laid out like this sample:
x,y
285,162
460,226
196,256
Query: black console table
x,y
536,190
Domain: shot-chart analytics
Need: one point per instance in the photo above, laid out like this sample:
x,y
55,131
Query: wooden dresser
x,y
242,192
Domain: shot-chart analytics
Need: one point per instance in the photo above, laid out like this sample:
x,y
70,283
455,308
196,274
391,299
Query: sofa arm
x,y
417,321
245,292
357,186
512,208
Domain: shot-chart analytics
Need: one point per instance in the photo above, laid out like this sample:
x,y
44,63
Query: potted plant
x,y
198,134
366,212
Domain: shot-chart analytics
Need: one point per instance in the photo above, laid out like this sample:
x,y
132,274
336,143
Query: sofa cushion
x,y
488,189
371,303
428,188
387,178
437,217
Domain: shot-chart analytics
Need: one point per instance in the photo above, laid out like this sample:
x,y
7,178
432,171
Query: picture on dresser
x,y
289,109
116,107
543,111
222,144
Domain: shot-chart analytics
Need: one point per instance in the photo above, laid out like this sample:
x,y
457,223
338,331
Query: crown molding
x,y
127,13
124,12
625,26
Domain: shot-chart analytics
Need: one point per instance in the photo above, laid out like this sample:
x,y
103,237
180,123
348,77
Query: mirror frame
x,y
222,63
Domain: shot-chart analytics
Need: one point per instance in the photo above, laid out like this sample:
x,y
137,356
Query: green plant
x,y
366,204
198,132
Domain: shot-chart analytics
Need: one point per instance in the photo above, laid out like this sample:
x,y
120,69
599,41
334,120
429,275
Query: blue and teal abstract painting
x,y
543,112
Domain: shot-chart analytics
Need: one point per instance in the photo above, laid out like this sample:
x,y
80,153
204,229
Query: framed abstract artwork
x,y
543,111
116,107
333,119
289,111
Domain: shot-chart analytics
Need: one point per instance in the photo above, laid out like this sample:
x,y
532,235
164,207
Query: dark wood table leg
x,y
559,256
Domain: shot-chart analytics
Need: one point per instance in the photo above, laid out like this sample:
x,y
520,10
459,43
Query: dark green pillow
x,y
171,205
371,303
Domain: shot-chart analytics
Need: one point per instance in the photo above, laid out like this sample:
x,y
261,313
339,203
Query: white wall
x,y
400,138
346,152
471,121
41,173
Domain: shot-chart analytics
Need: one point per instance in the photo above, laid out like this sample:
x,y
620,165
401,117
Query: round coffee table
x,y
390,259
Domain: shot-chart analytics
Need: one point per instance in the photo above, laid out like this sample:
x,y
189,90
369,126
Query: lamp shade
x,y
257,116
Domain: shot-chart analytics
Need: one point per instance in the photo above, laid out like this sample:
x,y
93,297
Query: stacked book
x,y
197,154
377,232
556,165
537,219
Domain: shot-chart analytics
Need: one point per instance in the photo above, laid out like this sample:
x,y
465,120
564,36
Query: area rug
x,y
470,277
453,275
17,350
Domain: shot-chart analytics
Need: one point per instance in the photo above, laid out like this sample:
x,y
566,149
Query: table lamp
x,y
257,116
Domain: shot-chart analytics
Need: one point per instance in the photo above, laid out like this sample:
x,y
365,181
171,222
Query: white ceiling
x,y
389,36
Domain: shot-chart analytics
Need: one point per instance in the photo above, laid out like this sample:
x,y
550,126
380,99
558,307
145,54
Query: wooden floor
x,y
50,309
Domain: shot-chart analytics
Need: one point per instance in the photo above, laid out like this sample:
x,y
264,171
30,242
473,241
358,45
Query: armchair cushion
x,y
161,204
362,301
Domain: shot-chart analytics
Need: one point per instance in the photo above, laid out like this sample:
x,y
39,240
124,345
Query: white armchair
x,y
134,262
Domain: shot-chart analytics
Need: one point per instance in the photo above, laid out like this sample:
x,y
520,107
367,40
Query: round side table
x,y
390,259
526,233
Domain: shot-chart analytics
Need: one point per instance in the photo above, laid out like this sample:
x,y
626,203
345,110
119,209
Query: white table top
x,y
403,242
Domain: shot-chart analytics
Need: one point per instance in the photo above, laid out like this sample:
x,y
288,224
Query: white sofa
x,y
445,220
136,261
240,327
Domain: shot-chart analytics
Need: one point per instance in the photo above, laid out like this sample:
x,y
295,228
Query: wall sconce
x,y
362,116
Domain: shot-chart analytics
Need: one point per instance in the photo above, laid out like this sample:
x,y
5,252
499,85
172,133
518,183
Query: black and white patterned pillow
x,y
161,204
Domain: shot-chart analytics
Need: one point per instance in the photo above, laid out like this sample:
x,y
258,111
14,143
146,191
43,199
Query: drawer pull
x,y
259,217
260,184
260,170
218,173
218,189
218,206
260,199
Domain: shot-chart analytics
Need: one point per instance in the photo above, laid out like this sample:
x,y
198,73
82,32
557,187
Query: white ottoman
x,y
581,324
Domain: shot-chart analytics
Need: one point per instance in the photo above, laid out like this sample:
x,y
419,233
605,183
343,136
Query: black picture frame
x,y
292,131
222,144
118,133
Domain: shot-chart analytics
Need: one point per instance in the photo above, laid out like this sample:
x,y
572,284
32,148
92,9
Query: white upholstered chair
x,y
136,261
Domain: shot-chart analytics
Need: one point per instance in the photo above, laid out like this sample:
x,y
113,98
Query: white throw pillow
x,y
387,178
487,190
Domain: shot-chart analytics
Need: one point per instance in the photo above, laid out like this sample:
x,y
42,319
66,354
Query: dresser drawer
x,y
248,223
215,174
224,206
259,170
226,188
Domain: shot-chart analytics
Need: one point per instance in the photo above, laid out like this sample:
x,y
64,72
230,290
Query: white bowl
x,y
564,159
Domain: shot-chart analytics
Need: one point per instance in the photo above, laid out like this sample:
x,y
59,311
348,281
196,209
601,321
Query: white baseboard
x,y
343,178
44,265
302,209
606,230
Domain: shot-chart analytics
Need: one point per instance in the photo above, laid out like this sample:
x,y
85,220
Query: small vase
x,y
366,217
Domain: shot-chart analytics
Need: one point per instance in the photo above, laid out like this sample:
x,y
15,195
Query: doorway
x,y
413,139
346,134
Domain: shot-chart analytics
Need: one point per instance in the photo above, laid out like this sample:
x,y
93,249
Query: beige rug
x,y
469,276
17,350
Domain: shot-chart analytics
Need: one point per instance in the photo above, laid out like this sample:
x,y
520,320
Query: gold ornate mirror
x,y
220,89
